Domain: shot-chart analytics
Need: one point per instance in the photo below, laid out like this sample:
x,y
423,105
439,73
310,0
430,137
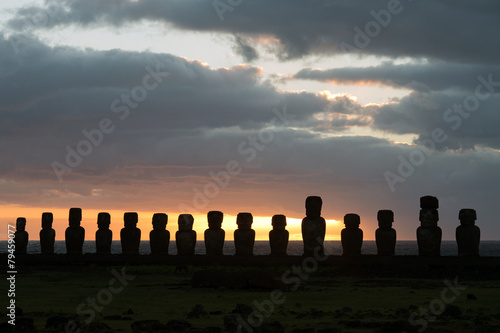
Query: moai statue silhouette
x,y
313,227
244,236
385,235
103,236
429,234
130,235
159,237
468,234
185,237
47,234
278,237
75,234
21,236
351,236
214,235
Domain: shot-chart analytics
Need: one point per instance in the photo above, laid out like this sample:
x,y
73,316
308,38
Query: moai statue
x,y
21,236
385,235
214,235
429,234
130,235
75,234
103,236
468,234
185,237
47,234
313,227
159,237
244,236
278,237
351,236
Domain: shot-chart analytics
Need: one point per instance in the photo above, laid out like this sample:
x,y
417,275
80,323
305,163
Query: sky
x,y
249,106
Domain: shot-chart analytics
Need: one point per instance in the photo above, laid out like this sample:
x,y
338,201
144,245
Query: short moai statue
x,y
103,236
313,227
278,237
468,234
21,236
130,235
244,236
214,235
385,235
159,237
47,234
185,237
351,236
75,233
429,234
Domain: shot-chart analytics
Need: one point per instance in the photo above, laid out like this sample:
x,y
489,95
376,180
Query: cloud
x,y
243,48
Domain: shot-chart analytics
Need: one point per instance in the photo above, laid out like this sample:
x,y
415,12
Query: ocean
x,y
448,248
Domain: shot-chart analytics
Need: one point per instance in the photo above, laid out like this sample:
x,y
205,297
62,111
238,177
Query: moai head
x,y
47,219
160,221
385,219
244,221
467,216
429,217
75,217
185,222
130,219
103,220
313,206
352,221
215,219
20,224
279,222
429,202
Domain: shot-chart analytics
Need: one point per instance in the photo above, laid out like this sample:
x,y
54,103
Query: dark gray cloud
x,y
242,47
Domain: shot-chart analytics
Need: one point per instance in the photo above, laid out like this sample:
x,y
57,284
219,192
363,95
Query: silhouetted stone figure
x,y
244,236
278,237
468,234
185,237
47,234
313,227
214,235
21,236
103,236
429,234
351,236
385,235
75,234
130,235
159,237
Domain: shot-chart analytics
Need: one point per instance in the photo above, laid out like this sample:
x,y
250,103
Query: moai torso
x,y
159,237
75,234
214,235
429,234
185,237
103,236
130,235
47,234
244,236
313,227
278,237
385,235
351,236
21,236
468,235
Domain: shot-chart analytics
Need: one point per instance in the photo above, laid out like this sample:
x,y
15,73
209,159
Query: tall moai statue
x,y
185,237
130,235
75,234
103,236
159,237
21,236
47,234
244,236
313,227
351,236
214,235
385,235
468,234
278,237
429,234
